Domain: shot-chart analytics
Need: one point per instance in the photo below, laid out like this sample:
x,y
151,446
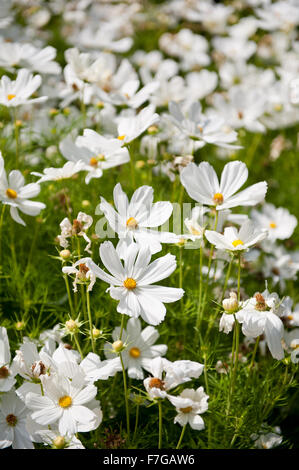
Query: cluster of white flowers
x,y
165,106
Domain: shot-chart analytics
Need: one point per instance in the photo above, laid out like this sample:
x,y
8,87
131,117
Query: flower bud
x,y
96,333
117,346
59,442
72,326
65,254
19,325
230,305
139,164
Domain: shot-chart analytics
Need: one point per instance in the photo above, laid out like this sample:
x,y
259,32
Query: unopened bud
x,y
139,164
72,326
117,346
59,442
65,254
230,305
96,333
20,325
152,130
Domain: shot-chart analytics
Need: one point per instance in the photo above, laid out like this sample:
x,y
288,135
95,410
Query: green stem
x,y
78,345
200,285
237,327
181,268
89,319
160,424
126,396
209,264
69,295
181,436
254,352
136,422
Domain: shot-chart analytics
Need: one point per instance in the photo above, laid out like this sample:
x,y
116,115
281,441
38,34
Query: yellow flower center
x,y
134,352
93,161
121,137
218,198
130,283
237,243
10,97
65,401
278,107
11,193
188,409
272,225
194,231
132,223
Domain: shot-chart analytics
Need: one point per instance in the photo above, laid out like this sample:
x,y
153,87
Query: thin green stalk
x,y
89,319
126,396
200,285
160,424
78,345
69,296
237,327
136,422
231,371
254,352
181,436
181,268
213,317
209,264
85,314
205,373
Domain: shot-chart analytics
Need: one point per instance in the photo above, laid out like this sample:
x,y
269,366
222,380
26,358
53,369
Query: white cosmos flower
x,y
7,375
131,283
202,185
65,402
128,94
13,414
205,130
16,194
129,128
14,54
279,222
234,240
17,92
140,348
29,363
189,405
97,153
267,440
260,315
167,375
137,220
68,170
